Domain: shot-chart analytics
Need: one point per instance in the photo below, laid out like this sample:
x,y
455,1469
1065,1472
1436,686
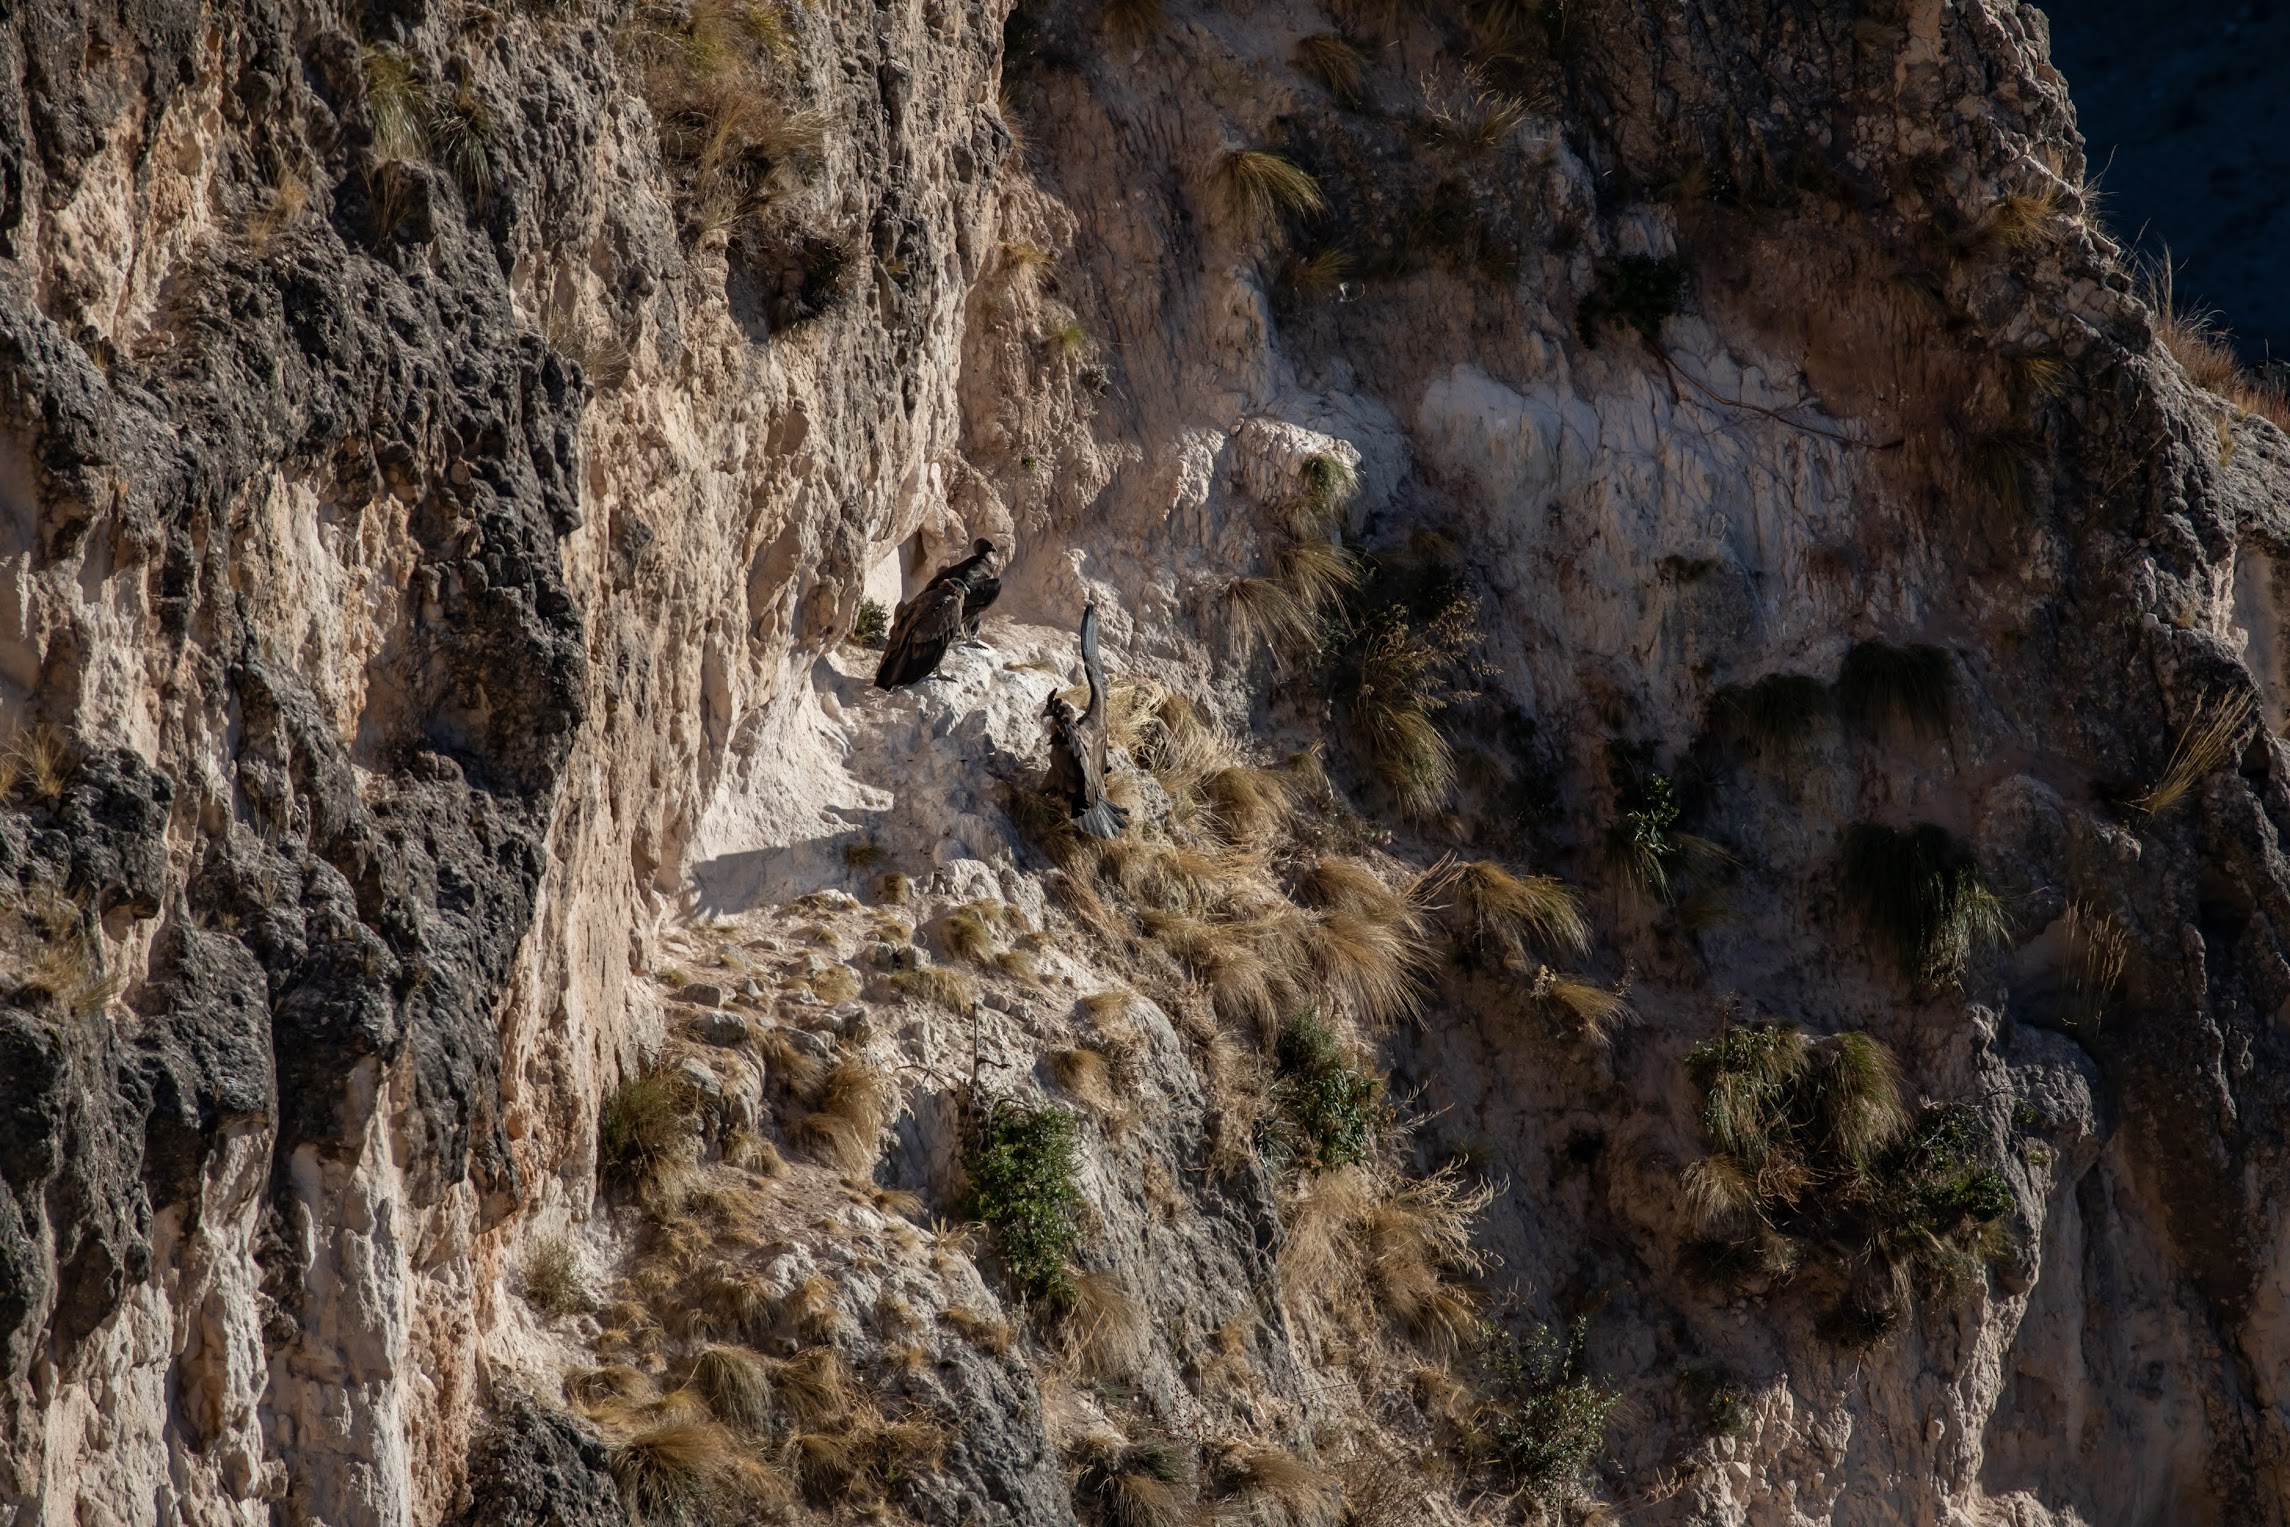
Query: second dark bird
x,y
949,606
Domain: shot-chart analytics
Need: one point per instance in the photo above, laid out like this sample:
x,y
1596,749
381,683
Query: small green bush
x,y
872,625
1635,292
1922,897
1644,843
1327,1114
1020,1160
1552,1416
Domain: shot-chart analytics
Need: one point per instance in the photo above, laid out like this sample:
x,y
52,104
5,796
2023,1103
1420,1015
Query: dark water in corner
x,y
2185,105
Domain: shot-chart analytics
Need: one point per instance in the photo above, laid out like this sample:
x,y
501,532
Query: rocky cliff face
x,y
1615,524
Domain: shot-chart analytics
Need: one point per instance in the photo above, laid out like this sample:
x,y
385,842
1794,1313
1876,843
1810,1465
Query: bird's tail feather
x,y
1103,820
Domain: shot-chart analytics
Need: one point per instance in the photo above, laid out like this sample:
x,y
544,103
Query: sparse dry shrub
x,y
855,1102
551,1281
2210,740
1144,1484
713,75
1467,114
734,1384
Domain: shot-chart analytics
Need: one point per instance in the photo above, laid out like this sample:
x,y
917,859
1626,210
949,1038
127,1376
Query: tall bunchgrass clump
x,y
717,77
550,1279
1921,895
2205,351
1905,688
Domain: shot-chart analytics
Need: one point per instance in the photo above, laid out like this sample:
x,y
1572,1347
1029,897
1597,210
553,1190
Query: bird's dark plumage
x,y
926,625
1077,748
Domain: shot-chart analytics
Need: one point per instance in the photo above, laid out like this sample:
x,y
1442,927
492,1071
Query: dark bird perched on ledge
x,y
949,606
1077,748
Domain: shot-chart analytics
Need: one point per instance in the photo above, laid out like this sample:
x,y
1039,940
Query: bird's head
x,y
987,549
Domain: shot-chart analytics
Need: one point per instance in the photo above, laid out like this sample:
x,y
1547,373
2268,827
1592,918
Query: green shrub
x,y
1551,1416
1882,686
1812,1152
872,625
1020,1160
1327,1113
1635,292
1922,897
1644,843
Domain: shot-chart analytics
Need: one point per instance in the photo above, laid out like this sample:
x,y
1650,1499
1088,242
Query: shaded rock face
x,y
2172,109
419,569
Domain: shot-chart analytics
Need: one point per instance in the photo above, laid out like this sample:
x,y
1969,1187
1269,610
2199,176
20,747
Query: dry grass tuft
x,y
1412,1239
2205,352
551,1279
855,1102
735,1386
1103,1326
1504,915
2098,947
1592,1011
796,1068
669,1472
1335,66
41,759
1086,1077
644,1131
988,1335
1280,1489
1261,188
2211,740
813,1387
1132,1485
1135,22
938,986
